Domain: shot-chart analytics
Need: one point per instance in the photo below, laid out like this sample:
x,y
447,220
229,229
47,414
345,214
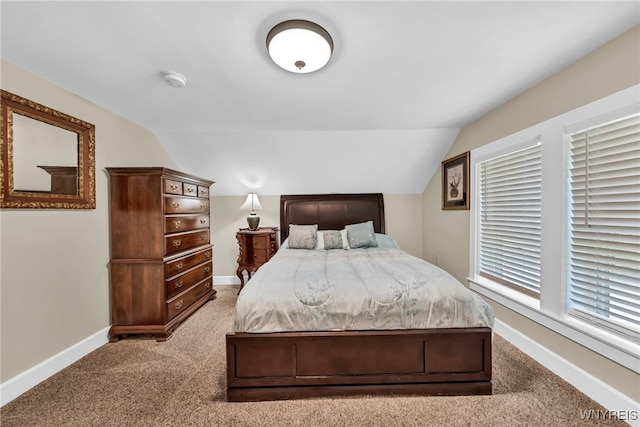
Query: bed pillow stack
x,y
353,236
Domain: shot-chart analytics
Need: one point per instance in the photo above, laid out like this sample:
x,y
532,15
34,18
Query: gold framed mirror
x,y
47,158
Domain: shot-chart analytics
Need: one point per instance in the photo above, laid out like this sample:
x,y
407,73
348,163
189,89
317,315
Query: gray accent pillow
x,y
361,235
332,239
303,236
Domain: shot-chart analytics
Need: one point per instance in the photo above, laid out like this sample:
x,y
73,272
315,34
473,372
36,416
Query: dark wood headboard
x,y
331,211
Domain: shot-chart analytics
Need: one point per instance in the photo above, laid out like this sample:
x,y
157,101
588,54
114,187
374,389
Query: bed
x,y
272,357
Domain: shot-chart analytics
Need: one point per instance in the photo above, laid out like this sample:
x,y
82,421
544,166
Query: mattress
x,y
379,288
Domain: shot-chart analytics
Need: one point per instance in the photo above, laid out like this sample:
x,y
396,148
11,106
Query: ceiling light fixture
x,y
299,46
174,79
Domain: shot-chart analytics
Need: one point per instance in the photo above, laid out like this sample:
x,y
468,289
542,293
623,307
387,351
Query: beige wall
x,y
54,279
54,276
403,216
613,67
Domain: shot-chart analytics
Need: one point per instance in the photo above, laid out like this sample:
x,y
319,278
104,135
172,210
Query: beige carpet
x,y
138,382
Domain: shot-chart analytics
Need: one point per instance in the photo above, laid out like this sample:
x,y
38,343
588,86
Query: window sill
x,y
608,345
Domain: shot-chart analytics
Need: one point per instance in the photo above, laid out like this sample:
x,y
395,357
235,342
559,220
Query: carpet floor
x,y
182,382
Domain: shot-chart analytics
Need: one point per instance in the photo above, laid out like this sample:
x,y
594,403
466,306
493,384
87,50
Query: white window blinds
x,y
604,262
509,222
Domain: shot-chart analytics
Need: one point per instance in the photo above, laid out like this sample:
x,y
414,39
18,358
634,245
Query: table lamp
x,y
252,203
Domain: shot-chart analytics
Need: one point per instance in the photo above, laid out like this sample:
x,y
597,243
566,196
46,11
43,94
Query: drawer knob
x,y
203,191
176,205
177,243
179,304
190,189
179,266
203,237
207,270
176,224
203,220
207,255
207,285
178,284
174,187
203,205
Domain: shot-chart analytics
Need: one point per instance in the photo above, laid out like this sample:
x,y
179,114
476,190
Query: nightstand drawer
x,y
260,255
180,242
184,281
175,224
259,242
179,265
176,205
182,301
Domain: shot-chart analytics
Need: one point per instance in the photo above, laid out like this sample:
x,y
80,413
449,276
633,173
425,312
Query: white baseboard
x,y
28,379
610,398
225,280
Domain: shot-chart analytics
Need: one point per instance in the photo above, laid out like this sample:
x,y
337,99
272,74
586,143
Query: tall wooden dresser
x,y
161,254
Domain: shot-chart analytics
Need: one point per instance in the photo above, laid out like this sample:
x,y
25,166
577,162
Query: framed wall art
x,y
455,182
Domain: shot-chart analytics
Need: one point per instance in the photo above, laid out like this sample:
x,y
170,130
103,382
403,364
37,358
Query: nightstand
x,y
255,248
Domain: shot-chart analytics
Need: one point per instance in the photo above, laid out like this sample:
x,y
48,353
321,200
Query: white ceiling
x,y
403,80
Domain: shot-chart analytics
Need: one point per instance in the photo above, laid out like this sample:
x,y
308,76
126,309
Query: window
x,y
604,231
555,226
509,219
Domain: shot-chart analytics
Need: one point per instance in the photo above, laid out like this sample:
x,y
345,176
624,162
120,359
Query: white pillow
x,y
345,240
320,240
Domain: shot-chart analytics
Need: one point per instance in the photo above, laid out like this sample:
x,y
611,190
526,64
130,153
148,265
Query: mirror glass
x,y
48,158
43,146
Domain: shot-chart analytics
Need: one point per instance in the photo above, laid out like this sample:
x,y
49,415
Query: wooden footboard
x,y
292,365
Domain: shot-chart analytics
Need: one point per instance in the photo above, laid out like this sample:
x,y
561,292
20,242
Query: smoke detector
x,y
174,79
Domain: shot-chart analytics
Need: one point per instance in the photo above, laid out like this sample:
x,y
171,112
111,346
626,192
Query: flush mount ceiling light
x,y
174,79
299,46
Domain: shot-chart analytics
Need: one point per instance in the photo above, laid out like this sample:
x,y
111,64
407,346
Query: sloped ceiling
x,y
403,80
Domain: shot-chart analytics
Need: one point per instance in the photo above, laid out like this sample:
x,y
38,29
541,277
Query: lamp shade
x,y
299,46
252,203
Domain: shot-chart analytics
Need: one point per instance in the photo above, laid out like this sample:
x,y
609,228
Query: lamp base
x,y
253,220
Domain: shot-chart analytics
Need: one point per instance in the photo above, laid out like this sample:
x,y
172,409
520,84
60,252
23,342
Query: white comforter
x,y
357,289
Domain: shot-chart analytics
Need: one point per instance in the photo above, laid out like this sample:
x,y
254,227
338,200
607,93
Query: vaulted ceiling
x,y
404,78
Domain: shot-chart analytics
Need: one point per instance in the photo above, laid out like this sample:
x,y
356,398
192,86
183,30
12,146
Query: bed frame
x,y
292,365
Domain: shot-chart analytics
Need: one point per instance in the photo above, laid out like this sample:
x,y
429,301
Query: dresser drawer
x,y
172,187
182,241
179,265
190,190
187,279
175,224
203,191
178,205
182,301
